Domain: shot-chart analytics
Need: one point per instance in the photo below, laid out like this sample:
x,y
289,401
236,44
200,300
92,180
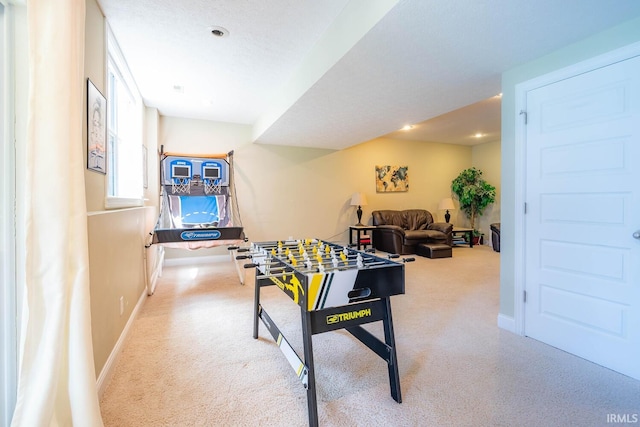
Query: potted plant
x,y
474,194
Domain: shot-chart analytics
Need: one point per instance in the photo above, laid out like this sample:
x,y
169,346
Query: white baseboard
x,y
107,369
507,323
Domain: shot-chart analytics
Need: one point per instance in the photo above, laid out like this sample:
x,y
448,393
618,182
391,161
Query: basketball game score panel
x,y
180,170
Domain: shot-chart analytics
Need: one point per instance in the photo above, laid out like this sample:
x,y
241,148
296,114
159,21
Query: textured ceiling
x,y
229,79
335,73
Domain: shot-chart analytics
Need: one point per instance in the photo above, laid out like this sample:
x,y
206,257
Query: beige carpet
x,y
191,360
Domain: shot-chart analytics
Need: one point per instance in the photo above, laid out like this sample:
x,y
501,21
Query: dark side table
x,y
360,231
467,231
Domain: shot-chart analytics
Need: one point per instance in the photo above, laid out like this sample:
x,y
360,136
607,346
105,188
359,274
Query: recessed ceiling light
x,y
407,127
219,31
479,135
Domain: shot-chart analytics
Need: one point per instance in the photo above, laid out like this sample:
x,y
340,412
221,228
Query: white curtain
x,y
57,384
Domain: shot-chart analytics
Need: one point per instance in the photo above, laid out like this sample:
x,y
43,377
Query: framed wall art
x,y
96,129
392,178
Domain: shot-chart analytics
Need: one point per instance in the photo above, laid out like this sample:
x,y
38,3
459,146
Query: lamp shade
x,y
445,204
358,199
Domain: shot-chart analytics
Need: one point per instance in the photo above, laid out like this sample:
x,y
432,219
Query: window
x,y
124,135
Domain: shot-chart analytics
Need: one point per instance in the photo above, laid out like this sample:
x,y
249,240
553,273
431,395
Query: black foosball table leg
x,y
389,338
307,335
256,308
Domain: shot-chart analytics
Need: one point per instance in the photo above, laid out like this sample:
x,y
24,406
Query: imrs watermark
x,y
623,418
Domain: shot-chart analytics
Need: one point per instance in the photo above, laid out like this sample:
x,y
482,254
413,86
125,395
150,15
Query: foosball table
x,y
336,287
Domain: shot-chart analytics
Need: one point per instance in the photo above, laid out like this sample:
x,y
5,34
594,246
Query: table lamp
x,y
359,200
445,205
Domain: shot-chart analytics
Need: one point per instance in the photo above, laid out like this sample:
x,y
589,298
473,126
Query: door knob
x,y
636,235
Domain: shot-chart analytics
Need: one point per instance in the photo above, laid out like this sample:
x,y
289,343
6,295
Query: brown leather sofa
x,y
399,232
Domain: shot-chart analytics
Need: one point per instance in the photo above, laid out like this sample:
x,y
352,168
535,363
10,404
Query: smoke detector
x,y
219,31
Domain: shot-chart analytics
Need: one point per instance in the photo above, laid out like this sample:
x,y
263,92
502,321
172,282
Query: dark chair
x,y
495,236
401,231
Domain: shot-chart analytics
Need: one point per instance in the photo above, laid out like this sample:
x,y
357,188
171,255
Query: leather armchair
x,y
400,232
495,236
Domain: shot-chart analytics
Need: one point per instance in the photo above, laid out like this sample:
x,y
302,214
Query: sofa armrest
x,y
444,227
391,228
388,238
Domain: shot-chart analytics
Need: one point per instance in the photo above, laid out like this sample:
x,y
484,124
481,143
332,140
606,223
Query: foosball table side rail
x,y
317,291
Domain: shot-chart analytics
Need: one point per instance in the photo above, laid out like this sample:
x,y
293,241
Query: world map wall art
x,y
392,178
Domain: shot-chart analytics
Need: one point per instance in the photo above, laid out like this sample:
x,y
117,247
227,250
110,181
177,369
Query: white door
x,y
582,277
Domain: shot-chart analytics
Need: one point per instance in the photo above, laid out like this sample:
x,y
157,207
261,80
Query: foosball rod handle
x,y
250,265
394,256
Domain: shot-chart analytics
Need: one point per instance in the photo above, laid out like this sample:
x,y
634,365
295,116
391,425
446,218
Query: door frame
x,y
521,89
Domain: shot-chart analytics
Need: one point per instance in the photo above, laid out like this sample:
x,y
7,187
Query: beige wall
x,y
302,192
116,270
117,237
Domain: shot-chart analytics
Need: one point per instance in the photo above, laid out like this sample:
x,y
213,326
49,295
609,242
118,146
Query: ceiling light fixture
x,y
479,135
219,31
407,127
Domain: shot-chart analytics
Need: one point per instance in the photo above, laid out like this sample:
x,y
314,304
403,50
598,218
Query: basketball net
x,y
212,186
181,185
